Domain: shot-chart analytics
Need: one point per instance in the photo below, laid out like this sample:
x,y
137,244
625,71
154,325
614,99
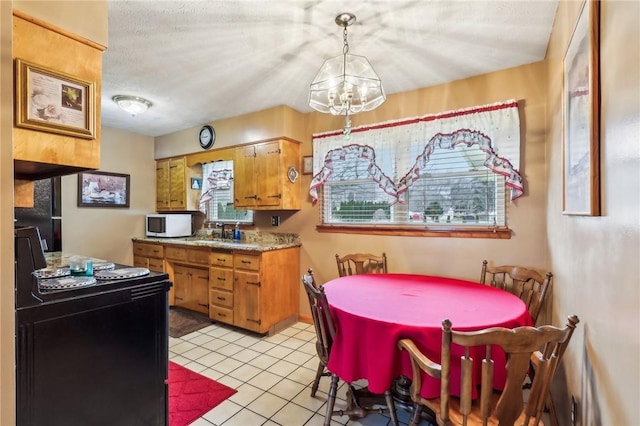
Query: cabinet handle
x,y
246,262
172,167
255,197
277,151
178,298
221,260
275,196
221,279
256,283
206,305
203,277
256,321
251,155
221,298
221,315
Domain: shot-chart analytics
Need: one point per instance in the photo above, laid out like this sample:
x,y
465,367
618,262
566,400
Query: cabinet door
x,y
267,176
244,188
162,185
178,197
181,286
200,290
246,310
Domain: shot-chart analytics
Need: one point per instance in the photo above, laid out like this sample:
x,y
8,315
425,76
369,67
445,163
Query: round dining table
x,y
373,312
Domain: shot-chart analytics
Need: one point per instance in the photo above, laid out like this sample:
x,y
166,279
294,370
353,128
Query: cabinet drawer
x,y
148,250
198,256
175,253
140,262
221,278
221,259
246,261
218,313
155,264
221,298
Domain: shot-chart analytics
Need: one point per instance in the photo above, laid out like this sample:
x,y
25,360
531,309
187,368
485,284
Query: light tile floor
x,y
273,376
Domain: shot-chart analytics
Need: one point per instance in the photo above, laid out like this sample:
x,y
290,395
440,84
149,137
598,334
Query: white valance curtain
x,y
215,176
403,147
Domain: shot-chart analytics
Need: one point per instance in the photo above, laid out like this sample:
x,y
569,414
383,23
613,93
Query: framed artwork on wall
x,y
102,189
54,102
581,115
307,165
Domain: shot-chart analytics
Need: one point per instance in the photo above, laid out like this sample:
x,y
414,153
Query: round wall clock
x,y
206,137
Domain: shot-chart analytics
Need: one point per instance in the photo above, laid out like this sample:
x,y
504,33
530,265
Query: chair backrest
x,y
322,319
519,345
525,283
361,263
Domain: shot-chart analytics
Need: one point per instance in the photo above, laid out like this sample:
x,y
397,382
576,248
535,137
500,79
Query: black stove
x,y
89,350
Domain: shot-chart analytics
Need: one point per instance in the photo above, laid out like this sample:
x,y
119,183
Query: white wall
x,y
105,232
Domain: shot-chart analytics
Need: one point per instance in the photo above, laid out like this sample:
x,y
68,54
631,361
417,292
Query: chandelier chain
x,y
345,48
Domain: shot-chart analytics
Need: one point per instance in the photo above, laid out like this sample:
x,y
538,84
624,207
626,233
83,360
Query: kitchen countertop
x,y
253,241
59,259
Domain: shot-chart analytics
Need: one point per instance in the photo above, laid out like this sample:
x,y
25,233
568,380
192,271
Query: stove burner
x,y
65,283
51,273
101,266
119,274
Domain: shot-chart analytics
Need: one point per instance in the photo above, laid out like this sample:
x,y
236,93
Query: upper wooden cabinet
x,y
171,193
266,175
40,154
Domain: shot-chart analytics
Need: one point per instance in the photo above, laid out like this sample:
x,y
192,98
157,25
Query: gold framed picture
x,y
54,102
581,104
307,165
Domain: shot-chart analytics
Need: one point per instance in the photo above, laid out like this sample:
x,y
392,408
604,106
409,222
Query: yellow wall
x,y
106,232
441,256
596,260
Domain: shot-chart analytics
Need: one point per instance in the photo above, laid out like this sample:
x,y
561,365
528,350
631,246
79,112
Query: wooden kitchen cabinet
x,y
221,305
266,175
150,256
171,190
188,269
266,289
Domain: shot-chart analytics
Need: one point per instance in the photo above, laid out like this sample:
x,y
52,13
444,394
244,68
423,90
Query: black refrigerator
x,y
46,213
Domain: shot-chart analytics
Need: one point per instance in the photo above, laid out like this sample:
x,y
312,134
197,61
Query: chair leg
x,y
331,400
316,382
391,407
552,410
416,415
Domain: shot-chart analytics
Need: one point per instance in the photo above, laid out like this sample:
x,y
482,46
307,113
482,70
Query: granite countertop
x,y
251,241
59,259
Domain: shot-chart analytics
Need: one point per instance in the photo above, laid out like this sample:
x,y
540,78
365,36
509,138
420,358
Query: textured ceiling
x,y
201,61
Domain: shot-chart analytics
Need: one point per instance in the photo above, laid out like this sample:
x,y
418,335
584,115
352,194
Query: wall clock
x,y
206,137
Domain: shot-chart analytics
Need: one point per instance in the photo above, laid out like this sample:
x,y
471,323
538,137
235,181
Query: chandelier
x,y
132,104
346,84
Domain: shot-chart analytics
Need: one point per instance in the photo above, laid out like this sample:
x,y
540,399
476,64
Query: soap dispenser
x,y
236,232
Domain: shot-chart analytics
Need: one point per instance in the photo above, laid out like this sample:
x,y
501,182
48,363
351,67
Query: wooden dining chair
x,y
525,283
490,406
359,402
361,263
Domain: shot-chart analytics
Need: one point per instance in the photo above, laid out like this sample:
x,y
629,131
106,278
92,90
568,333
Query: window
x,y
455,188
217,195
440,173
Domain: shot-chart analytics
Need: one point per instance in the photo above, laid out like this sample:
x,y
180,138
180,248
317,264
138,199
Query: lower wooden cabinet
x,y
254,290
150,256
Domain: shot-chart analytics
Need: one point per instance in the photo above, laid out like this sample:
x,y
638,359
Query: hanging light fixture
x,y
346,84
132,104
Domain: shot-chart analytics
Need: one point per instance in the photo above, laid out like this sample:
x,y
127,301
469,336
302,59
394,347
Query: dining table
x,y
372,312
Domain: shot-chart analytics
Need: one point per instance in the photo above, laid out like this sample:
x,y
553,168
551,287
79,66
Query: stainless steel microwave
x,y
168,225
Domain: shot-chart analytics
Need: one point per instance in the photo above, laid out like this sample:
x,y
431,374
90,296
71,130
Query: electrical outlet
x,y
574,410
275,220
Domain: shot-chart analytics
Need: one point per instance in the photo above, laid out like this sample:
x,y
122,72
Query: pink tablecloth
x,y
373,312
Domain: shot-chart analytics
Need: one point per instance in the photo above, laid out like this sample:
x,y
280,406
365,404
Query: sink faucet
x,y
221,225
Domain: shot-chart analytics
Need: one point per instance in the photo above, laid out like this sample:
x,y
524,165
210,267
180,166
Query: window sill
x,y
501,233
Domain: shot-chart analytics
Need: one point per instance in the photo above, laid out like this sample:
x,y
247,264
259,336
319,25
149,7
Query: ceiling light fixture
x,y
132,104
346,84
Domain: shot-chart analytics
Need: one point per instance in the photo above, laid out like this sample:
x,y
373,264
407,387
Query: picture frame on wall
x,y
103,189
307,165
54,102
581,115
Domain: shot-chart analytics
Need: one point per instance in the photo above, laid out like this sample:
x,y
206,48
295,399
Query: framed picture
x,y
581,104
54,102
102,189
196,183
307,165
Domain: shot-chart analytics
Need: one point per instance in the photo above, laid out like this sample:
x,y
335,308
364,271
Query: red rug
x,y
191,395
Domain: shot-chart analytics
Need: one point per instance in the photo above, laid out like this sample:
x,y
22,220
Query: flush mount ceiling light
x,y
346,84
132,104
